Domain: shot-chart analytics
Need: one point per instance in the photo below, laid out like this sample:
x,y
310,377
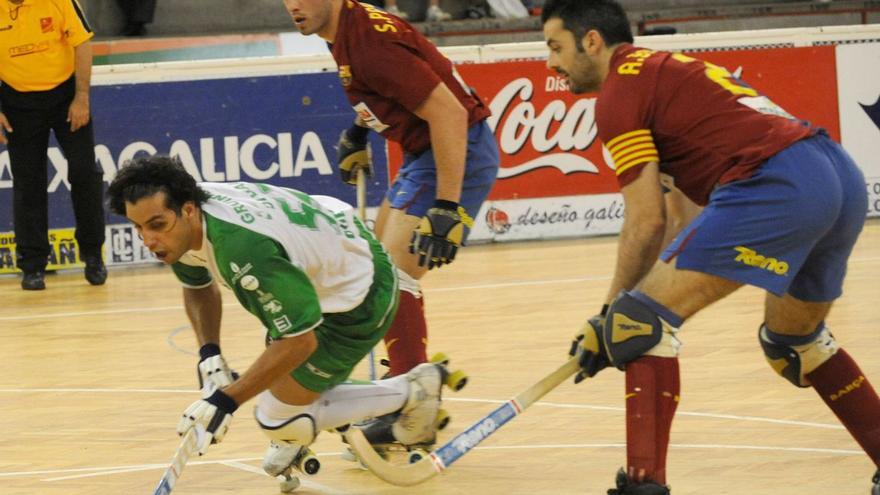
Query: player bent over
x,y
315,277
784,205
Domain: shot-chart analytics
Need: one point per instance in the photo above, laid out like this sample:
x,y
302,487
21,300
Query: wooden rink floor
x,y
94,380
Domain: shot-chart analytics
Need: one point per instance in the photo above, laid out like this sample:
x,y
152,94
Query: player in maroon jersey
x,y
784,205
402,87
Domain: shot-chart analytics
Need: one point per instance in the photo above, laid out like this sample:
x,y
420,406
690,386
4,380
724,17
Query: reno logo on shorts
x,y
749,257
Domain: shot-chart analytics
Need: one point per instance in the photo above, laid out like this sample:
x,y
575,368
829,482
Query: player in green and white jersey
x,y
320,283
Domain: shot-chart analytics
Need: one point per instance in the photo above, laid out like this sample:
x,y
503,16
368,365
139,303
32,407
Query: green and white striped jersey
x,y
290,258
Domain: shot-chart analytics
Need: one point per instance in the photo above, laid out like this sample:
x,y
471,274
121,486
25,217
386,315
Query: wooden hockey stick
x,y
188,446
443,457
362,214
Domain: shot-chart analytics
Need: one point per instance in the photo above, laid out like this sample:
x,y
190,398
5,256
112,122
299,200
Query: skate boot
x,y
283,457
378,432
875,490
418,418
627,487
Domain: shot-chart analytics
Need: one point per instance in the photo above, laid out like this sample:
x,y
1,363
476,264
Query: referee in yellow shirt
x,y
45,70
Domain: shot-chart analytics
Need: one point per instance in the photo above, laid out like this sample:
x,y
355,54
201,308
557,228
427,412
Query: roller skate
x,y
283,458
412,430
627,487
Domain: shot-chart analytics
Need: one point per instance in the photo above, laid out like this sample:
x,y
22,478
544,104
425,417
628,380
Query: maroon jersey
x,y
388,69
703,126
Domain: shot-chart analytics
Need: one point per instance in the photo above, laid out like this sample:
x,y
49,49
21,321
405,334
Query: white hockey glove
x,y
213,369
210,416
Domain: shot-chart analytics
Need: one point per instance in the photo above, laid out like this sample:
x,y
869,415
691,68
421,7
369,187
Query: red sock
x,y
652,389
669,387
845,390
407,339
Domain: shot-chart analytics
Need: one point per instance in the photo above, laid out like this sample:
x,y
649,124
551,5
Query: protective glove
x,y
212,368
210,415
440,233
353,154
589,347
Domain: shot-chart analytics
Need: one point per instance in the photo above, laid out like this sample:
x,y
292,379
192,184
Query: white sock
x,y
343,404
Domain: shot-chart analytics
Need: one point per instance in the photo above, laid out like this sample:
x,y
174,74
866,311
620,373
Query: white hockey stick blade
x,y
441,458
189,444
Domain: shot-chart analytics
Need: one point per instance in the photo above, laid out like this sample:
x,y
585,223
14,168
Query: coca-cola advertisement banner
x,y
548,137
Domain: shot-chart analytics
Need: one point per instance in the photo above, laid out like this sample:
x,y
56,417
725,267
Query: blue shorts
x,y
790,228
415,187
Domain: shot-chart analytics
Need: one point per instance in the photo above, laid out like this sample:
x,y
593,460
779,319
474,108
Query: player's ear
x,y
189,209
593,42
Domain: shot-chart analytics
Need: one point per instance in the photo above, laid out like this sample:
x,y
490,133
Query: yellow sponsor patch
x,y
345,75
625,328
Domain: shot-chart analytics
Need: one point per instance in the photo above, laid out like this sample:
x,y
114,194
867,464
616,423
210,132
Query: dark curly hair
x,y
143,177
581,16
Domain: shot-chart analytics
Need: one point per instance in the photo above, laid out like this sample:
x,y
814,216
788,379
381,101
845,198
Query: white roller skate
x,y
283,457
418,418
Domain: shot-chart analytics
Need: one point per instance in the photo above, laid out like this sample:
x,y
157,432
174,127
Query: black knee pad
x,y
631,329
795,357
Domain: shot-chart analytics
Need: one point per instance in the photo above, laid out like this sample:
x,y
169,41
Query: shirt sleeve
x,y
76,28
192,277
395,71
267,284
623,117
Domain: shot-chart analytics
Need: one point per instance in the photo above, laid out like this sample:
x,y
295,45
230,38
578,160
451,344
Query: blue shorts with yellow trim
x,y
790,228
415,187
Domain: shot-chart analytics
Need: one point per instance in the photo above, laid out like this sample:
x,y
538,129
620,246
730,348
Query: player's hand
x,y
353,155
5,127
589,347
440,234
213,369
210,415
78,113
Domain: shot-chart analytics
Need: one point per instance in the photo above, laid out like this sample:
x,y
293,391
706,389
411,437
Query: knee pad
x,y
408,283
793,357
285,422
633,329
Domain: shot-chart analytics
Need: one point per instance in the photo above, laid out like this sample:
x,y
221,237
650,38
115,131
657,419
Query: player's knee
x,y
794,357
285,422
637,326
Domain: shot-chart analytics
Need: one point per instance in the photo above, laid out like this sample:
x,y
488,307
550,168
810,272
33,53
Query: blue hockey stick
x,y
440,459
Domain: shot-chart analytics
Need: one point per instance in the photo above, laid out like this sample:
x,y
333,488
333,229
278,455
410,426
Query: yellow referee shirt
x,y
37,38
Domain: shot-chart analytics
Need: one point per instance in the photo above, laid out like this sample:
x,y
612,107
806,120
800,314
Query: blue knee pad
x,y
636,325
793,356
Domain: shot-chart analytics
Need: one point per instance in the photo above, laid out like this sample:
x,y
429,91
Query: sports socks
x,y
844,388
652,395
653,389
407,339
343,404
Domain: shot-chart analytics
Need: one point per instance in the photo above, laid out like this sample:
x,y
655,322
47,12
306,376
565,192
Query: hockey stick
x,y
188,445
362,214
443,457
